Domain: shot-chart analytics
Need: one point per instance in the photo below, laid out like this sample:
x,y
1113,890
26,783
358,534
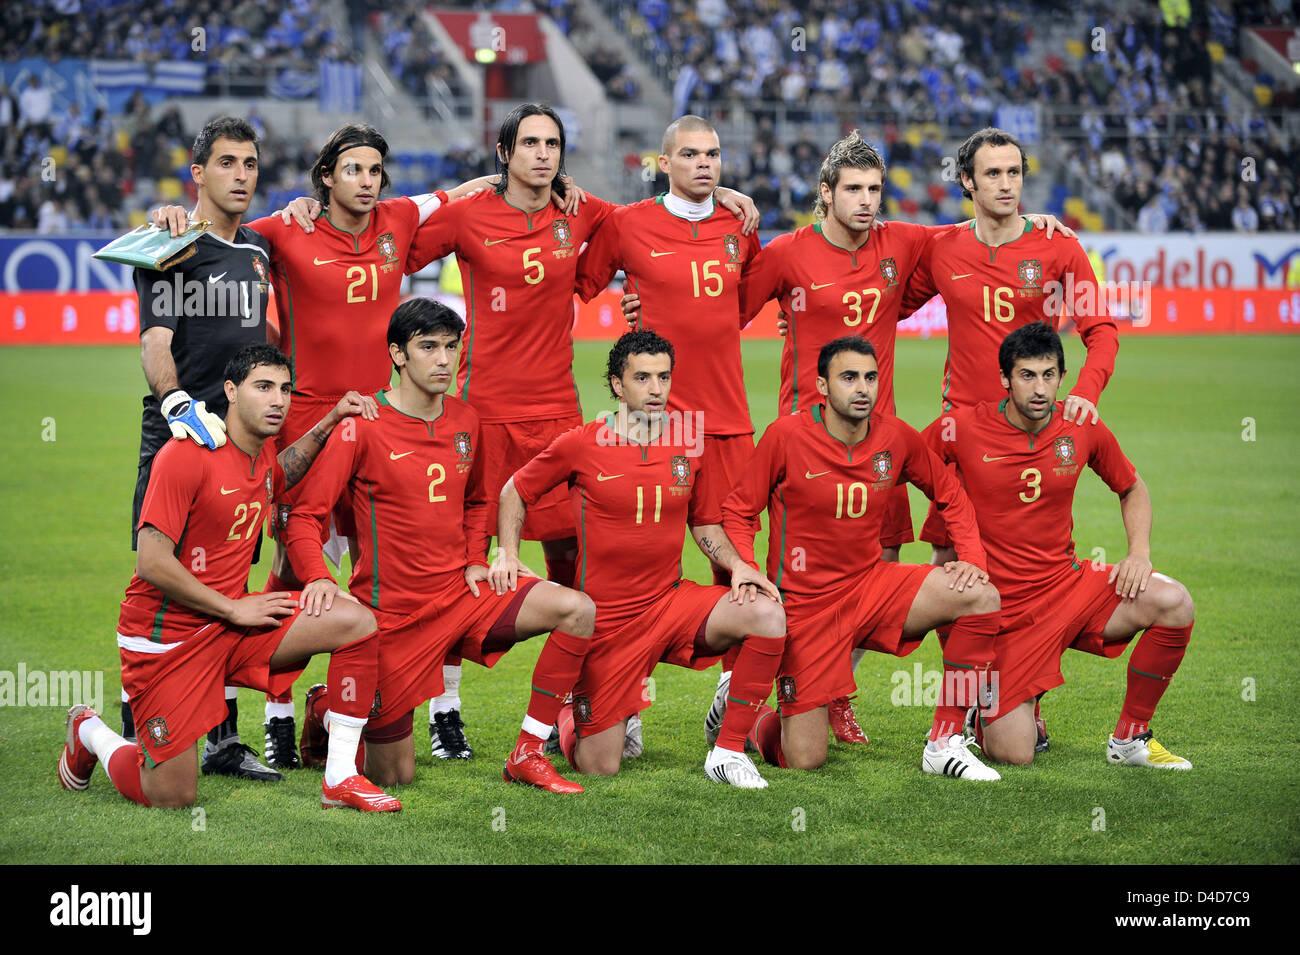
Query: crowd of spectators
x,y
263,37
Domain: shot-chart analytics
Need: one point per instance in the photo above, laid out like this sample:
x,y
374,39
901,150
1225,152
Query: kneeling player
x,y
634,488
1020,461
414,480
188,629
825,476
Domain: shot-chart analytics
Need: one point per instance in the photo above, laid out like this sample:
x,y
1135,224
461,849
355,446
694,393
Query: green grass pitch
x,y
1210,423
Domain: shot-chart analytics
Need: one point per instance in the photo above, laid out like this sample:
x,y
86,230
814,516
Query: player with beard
x,y
820,474
1020,460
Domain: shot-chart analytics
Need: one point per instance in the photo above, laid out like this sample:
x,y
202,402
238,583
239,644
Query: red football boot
x,y
360,794
844,723
76,762
528,765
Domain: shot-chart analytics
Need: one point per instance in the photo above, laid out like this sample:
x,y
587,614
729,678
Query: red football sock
x,y
556,671
1154,661
568,734
967,658
352,675
561,570
751,682
124,770
729,658
766,735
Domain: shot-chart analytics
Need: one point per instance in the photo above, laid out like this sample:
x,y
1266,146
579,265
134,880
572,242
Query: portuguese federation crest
x,y
787,690
882,466
562,234
680,468
270,487
259,266
387,247
731,245
1031,273
156,728
889,271
462,445
1065,451
582,709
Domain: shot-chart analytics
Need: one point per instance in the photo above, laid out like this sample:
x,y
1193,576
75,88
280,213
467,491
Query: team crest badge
x,y
562,234
786,690
1031,273
462,445
882,465
387,247
582,709
259,266
732,246
680,467
377,706
157,730
282,512
889,271
270,487
1065,451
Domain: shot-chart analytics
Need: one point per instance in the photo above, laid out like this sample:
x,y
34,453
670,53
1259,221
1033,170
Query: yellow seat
x,y
137,218
1263,95
967,209
1032,162
1216,51
914,136
1074,48
59,154
802,219
1074,206
169,188
180,157
123,141
901,176
1092,221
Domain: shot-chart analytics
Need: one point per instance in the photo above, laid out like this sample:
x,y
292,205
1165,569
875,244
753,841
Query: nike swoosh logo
x,y
809,475
655,255
990,460
322,261
214,279
496,241
231,491
606,477
394,456
815,286
965,276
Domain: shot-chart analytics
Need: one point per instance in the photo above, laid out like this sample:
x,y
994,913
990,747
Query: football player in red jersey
x,y
187,629
335,289
997,274
821,474
1020,460
412,476
634,486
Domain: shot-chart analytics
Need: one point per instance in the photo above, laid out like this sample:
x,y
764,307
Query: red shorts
x,y
896,528
822,632
412,647
177,694
726,457
1035,634
304,413
506,448
624,652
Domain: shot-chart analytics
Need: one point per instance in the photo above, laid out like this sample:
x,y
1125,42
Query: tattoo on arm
x,y
711,550
295,465
157,536
319,436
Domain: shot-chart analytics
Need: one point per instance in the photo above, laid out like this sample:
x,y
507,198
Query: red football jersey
x,y
825,499
688,277
335,292
518,271
416,490
828,292
990,292
212,504
632,504
1022,486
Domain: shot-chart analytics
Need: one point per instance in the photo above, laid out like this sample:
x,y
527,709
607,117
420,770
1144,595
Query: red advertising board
x,y
110,318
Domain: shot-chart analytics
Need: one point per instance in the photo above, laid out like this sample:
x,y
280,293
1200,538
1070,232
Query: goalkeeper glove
x,y
190,419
